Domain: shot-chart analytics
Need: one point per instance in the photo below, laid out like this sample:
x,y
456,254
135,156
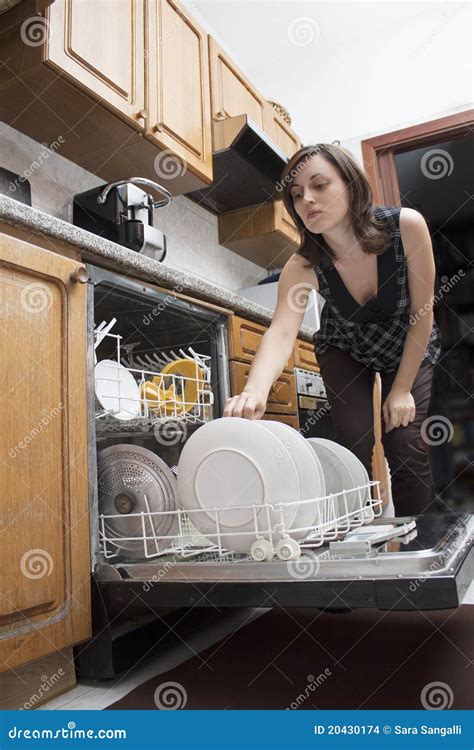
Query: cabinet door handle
x,y
79,276
141,114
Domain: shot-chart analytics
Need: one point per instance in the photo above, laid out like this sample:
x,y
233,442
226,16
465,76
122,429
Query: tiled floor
x,y
97,694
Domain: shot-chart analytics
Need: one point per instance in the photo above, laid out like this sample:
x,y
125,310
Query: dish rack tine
x,y
156,358
198,359
104,331
100,326
141,362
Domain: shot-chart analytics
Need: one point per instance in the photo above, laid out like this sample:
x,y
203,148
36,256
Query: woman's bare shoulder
x,y
301,270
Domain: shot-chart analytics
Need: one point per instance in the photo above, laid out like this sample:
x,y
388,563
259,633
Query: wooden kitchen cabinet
x,y
264,234
232,93
280,132
44,535
101,48
244,339
178,89
282,396
84,88
305,357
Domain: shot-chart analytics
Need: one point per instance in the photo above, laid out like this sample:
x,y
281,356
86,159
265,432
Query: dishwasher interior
x,y
425,563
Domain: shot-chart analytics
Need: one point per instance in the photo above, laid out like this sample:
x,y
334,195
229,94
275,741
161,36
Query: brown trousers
x,y
349,388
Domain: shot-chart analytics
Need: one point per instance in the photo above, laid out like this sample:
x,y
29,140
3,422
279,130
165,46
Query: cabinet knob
x,y
141,114
79,276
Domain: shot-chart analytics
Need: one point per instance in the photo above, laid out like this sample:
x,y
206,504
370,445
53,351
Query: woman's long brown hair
x,y
372,233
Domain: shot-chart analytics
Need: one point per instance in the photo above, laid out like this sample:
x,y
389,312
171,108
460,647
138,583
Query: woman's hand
x,y
248,404
398,409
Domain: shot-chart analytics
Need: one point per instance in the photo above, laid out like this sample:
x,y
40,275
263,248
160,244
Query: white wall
x,y
350,70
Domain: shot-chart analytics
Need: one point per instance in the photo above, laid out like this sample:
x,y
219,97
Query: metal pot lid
x,y
126,474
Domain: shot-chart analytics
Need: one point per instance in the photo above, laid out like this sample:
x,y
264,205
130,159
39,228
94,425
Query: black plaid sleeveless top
x,y
374,333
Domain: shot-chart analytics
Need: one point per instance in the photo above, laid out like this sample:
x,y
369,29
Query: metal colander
x,y
133,484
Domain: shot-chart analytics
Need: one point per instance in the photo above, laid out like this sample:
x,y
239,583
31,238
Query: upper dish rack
x,y
139,393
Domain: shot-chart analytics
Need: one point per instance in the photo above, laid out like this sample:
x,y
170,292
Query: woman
x,y
374,266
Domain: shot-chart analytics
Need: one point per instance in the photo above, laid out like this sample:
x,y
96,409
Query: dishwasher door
x,y
429,568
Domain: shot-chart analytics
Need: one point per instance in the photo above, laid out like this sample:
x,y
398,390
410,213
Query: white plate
x,y
312,483
116,389
233,461
357,469
337,472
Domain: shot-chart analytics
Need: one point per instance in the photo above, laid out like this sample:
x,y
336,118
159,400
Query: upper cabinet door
x,y
232,93
178,97
101,46
280,132
44,528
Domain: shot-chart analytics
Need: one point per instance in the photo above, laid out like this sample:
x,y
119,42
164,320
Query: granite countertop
x,y
95,249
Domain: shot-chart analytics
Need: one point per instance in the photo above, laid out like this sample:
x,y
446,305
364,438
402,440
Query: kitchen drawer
x,y
289,419
244,340
305,356
282,397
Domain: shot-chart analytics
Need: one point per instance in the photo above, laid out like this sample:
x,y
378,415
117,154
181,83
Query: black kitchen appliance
x,y
122,212
314,411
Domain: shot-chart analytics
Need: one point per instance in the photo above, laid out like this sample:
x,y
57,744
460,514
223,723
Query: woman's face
x,y
318,189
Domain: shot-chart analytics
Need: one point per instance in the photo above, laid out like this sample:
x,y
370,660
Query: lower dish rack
x,y
335,515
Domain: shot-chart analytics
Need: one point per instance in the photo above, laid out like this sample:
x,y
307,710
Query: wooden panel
x,y
244,340
379,464
305,356
281,133
264,234
101,48
282,396
32,684
178,90
289,419
44,537
232,93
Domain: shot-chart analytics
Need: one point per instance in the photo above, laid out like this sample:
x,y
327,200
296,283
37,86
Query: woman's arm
x,y
399,406
277,343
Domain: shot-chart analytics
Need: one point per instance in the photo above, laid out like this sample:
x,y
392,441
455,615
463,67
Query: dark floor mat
x,y
307,659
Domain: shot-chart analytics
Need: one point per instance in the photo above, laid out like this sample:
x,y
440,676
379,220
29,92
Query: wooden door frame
x,y
378,153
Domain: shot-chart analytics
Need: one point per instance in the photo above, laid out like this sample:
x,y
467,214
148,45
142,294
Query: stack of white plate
x,y
233,462
342,471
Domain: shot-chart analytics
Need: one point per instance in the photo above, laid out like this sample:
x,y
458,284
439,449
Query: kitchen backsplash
x,y
191,231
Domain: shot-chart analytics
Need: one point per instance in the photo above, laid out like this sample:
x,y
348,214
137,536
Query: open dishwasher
x,y
424,562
